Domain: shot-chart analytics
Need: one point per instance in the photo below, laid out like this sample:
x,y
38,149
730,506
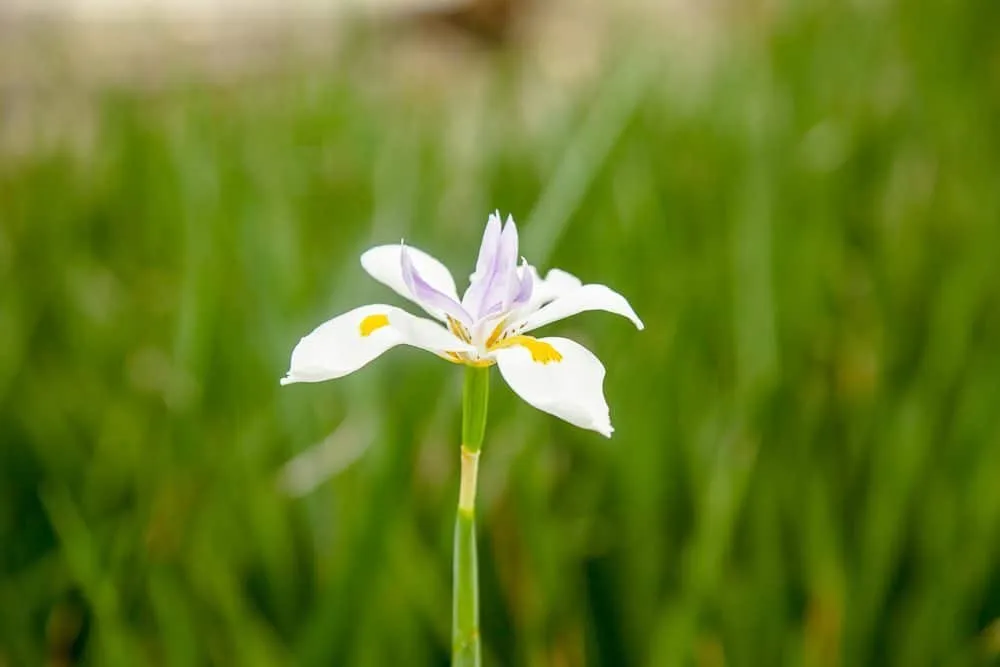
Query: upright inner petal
x,y
485,263
505,285
525,283
495,283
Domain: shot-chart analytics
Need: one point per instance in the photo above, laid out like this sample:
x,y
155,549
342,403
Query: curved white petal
x,y
555,284
559,282
347,342
569,386
581,299
384,264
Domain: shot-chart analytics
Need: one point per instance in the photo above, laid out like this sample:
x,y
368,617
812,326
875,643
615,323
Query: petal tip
x,y
369,259
365,259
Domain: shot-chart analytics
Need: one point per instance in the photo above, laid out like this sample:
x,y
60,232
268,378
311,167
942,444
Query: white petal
x,y
559,282
347,342
556,283
384,264
581,299
570,388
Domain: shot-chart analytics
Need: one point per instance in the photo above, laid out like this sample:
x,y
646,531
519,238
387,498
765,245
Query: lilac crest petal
x,y
497,293
508,245
495,283
525,285
490,243
489,247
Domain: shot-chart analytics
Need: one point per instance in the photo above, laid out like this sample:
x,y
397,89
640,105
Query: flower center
x,y
501,337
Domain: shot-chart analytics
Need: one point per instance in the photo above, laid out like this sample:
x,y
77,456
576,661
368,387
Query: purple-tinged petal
x,y
495,309
496,272
490,245
426,295
525,285
508,247
384,265
497,293
489,251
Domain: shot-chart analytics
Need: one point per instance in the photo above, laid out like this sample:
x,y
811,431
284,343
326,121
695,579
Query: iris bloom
x,y
488,325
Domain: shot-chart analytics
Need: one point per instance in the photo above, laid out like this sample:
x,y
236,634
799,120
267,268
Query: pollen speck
x,y
373,323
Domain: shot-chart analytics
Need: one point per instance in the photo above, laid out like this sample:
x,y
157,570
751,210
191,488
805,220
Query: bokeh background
x,y
801,199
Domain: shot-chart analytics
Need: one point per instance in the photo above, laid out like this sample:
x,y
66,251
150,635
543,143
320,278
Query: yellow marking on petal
x,y
373,323
541,352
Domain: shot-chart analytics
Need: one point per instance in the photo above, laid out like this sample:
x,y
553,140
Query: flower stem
x,y
474,401
466,645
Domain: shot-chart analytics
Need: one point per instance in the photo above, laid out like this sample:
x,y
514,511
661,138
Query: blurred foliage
x,y
806,463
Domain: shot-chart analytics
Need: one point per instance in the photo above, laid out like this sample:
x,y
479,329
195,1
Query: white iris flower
x,y
488,325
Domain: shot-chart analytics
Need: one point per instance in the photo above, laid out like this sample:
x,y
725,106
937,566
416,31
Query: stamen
x,y
458,358
496,335
541,352
459,329
373,323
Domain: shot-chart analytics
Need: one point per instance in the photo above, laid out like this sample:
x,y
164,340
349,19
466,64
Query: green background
x,y
806,463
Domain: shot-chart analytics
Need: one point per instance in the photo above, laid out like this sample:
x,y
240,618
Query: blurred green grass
x,y
805,465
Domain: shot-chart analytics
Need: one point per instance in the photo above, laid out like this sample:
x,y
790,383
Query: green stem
x,y
474,401
466,645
